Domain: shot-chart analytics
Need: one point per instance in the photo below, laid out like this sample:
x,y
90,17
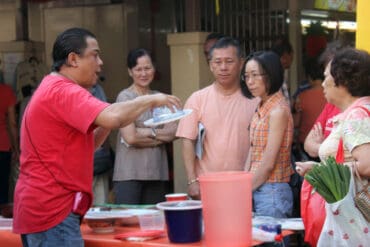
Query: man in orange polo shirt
x,y
225,114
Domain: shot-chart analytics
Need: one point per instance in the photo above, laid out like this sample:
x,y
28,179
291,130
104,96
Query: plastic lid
x,y
180,205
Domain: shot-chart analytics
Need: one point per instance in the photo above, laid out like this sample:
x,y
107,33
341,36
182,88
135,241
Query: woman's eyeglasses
x,y
246,77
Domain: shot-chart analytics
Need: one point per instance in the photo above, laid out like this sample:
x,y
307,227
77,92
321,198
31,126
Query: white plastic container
x,y
154,221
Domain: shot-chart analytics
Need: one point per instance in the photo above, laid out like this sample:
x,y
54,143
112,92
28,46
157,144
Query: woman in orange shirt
x,y
271,133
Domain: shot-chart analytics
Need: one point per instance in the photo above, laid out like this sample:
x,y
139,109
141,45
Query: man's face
x,y
286,60
226,65
89,64
207,47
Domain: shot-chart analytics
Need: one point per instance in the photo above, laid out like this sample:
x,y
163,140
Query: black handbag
x,y
103,160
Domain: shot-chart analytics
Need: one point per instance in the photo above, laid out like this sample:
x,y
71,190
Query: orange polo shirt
x,y
226,120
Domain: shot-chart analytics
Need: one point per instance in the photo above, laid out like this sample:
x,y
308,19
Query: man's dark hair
x,y
313,69
71,40
271,69
226,42
211,39
215,36
133,56
282,46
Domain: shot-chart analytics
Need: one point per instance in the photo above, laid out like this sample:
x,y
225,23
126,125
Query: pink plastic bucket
x,y
227,208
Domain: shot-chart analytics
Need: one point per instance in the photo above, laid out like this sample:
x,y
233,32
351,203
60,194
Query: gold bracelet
x,y
193,181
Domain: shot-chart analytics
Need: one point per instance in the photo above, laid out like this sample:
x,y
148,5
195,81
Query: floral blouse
x,y
353,125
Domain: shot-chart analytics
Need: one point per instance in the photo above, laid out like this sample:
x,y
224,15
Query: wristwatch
x,y
154,134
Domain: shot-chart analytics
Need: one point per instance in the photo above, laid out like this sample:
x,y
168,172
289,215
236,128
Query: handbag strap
x,y
361,181
339,158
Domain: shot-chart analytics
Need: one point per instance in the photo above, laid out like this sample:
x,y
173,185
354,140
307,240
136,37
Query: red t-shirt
x,y
7,99
310,110
326,118
57,145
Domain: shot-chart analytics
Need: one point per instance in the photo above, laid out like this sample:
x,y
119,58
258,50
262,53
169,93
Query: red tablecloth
x,y
9,239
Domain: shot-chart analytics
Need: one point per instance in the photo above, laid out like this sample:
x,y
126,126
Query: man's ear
x,y
72,59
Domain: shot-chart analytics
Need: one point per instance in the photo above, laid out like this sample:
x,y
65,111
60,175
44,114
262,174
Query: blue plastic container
x,y
183,220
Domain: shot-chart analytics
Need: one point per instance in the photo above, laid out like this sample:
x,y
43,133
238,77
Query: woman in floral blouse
x,y
347,86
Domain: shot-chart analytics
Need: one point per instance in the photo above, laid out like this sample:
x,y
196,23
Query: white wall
x,y
106,23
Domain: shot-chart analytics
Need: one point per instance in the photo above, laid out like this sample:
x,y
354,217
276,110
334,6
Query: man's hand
x,y
194,191
171,101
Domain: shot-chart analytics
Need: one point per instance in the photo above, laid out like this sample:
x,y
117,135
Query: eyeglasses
x,y
246,77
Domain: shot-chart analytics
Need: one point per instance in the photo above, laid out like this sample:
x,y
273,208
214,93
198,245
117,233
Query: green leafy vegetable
x,y
330,179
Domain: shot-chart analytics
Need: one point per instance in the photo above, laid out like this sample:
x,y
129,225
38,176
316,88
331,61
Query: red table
x,y
9,239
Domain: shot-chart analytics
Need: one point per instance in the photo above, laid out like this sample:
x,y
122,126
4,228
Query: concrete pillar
x,y
363,27
189,72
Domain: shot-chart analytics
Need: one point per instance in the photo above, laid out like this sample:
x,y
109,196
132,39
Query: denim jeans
x,y
273,199
65,234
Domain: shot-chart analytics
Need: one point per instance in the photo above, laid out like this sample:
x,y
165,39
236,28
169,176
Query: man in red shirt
x,y
62,125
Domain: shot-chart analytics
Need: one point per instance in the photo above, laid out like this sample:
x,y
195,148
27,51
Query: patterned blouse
x,y
259,130
353,125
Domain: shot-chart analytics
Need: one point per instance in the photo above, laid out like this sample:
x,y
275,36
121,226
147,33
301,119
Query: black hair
x,y
135,54
71,40
350,68
313,69
215,36
282,46
226,42
272,69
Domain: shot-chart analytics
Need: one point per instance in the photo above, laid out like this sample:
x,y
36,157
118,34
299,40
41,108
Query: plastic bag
x,y
344,224
312,213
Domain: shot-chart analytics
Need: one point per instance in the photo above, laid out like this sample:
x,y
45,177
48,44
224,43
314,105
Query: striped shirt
x,y
259,136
